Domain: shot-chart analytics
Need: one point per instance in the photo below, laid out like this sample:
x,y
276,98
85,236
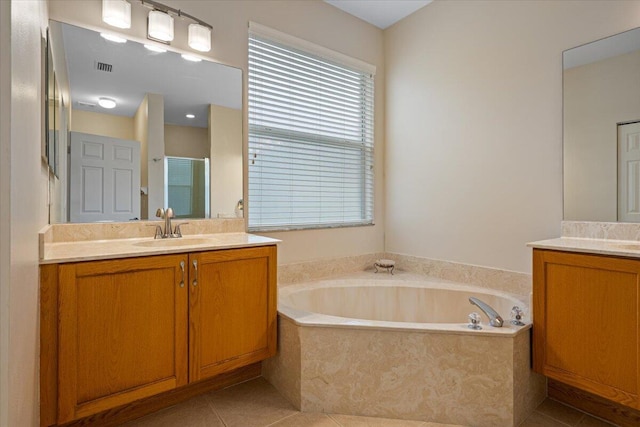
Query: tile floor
x,y
257,403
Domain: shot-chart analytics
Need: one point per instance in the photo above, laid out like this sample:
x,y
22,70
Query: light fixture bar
x,y
166,9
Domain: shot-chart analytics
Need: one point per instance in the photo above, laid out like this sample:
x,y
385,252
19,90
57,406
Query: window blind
x,y
310,139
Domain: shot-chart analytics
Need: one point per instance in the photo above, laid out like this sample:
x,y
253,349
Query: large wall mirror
x,y
601,82
144,128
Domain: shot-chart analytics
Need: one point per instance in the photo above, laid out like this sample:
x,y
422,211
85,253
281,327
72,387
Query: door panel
x,y
105,178
629,172
232,310
123,332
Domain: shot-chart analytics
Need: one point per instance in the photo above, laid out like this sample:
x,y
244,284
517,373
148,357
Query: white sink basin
x,y
178,241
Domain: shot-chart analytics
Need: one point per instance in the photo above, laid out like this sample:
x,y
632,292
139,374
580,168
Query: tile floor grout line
x,y
210,405
552,418
334,420
282,419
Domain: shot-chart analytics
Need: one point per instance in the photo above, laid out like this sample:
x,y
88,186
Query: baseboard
x,y
595,405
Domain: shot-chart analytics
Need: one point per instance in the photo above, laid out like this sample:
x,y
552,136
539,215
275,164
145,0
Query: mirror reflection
x,y
146,129
601,82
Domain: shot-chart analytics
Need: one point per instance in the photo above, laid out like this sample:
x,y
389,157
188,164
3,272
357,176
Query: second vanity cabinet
x,y
587,323
133,328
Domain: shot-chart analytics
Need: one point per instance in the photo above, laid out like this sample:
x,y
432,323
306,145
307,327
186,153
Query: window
x,y
310,135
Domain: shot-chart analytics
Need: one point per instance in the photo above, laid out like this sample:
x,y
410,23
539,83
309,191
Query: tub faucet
x,y
494,318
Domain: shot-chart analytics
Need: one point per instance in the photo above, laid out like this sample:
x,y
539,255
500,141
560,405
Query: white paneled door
x,y
104,179
629,172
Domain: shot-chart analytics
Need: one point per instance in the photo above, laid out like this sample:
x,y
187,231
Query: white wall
x,y
597,97
23,210
315,21
474,124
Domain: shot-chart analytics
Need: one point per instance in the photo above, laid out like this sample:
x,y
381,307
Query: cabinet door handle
x,y
195,267
182,268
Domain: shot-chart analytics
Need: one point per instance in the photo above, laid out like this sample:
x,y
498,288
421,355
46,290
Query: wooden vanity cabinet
x,y
586,323
117,331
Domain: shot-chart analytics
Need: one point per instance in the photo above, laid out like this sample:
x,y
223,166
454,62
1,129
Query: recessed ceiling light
x,y
191,58
113,38
107,103
154,48
190,116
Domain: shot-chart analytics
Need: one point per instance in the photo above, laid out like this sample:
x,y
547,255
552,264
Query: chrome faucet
x,y
167,215
494,318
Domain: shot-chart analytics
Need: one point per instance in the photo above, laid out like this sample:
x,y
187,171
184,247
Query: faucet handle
x,y
474,321
516,316
177,231
158,232
160,213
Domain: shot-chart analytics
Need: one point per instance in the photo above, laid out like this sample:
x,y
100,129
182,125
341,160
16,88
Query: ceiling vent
x,y
86,104
103,66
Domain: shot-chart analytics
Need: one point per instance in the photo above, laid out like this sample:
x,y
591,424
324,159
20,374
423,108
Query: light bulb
x,y
199,37
113,38
160,26
116,13
107,103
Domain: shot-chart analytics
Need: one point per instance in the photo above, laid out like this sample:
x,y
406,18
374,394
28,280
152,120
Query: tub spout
x,y
494,318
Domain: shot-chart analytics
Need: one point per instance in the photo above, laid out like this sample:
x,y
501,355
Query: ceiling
x,y
187,87
608,47
381,13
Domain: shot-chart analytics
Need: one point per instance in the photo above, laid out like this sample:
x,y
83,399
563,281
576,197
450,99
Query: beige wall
x,y
186,141
102,124
141,133
225,134
23,208
315,21
597,97
474,124
5,200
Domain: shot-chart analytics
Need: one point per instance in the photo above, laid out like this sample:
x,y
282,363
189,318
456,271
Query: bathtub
x,y
399,347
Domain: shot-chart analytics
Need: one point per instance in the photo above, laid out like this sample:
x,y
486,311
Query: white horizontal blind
x,y
310,140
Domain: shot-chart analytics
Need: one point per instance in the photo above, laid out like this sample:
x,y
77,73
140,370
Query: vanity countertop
x,y
90,250
624,248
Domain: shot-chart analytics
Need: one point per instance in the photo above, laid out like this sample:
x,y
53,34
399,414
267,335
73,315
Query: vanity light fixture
x,y
117,13
190,116
199,37
160,26
190,58
107,103
113,38
154,48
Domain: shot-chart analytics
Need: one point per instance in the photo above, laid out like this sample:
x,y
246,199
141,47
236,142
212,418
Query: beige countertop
x,y
624,248
90,250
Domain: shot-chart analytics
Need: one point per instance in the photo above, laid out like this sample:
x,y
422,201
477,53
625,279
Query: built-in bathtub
x,y
399,347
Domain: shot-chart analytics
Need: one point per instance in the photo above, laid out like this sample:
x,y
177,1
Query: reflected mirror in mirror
x,y
131,109
601,94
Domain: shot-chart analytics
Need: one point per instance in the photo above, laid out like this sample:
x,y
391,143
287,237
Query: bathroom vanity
x,y
163,318
586,333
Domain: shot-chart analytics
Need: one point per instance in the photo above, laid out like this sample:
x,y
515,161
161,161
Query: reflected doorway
x,y
629,172
186,186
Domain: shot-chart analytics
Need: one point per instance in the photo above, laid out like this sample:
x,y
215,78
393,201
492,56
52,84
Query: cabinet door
x,y
232,309
122,332
586,323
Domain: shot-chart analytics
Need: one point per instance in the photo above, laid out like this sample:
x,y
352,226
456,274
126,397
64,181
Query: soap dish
x,y
387,264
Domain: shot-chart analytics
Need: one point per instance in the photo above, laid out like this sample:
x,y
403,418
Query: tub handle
x,y
516,316
474,321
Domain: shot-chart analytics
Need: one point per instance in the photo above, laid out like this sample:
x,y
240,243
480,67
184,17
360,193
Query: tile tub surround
x,y
435,372
456,379
501,280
